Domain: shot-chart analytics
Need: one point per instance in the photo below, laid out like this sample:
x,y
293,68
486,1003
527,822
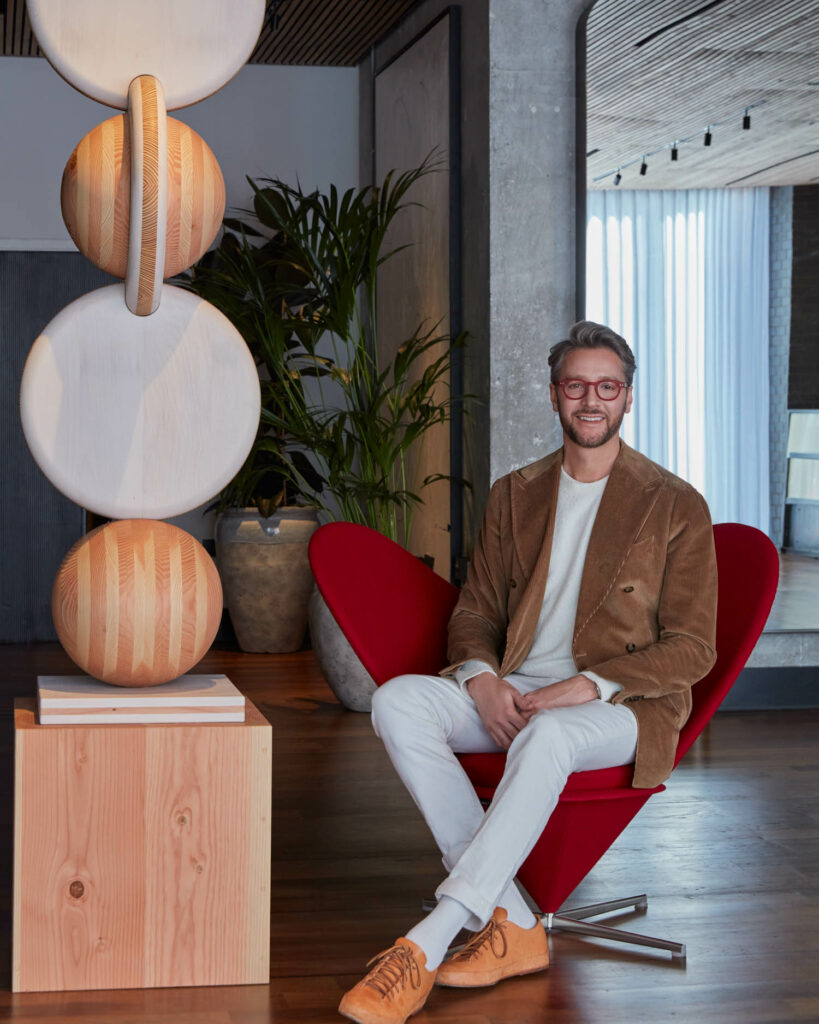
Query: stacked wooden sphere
x,y
140,401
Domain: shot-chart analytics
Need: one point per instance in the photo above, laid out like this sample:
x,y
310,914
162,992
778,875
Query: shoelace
x,y
393,966
490,934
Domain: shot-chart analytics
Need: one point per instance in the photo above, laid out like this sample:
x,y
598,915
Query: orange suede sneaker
x,y
500,950
395,989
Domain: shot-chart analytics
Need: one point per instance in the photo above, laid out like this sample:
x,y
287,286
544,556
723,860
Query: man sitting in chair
x,y
588,613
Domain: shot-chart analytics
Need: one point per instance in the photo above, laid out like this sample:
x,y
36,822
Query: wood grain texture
x,y
192,46
136,602
96,202
148,132
139,416
412,119
727,856
142,856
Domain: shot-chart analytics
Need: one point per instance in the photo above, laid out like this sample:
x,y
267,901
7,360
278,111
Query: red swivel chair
x,y
394,612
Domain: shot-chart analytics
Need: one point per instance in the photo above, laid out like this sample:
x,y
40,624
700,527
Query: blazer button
x,y
627,590
631,647
513,583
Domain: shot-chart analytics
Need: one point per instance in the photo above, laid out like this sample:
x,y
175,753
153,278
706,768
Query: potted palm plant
x,y
264,520
337,429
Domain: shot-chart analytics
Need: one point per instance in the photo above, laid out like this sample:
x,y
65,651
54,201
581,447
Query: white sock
x,y
434,934
515,906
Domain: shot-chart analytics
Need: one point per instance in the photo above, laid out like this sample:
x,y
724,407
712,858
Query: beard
x,y
609,428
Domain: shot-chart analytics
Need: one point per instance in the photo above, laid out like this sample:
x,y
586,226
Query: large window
x,y
683,276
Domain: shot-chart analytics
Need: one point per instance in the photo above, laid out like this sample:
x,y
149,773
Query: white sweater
x,y
550,656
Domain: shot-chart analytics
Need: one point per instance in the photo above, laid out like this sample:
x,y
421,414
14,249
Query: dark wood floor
x,y
728,857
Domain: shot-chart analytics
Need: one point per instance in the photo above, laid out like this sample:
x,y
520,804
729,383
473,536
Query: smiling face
x,y
590,422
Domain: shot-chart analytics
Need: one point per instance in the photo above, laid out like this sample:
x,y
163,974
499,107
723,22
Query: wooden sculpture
x,y
142,851
141,400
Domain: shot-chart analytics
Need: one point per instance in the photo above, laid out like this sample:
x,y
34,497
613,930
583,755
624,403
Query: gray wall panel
x,y
37,524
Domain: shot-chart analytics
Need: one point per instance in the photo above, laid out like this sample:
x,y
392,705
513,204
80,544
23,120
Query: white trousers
x,y
424,720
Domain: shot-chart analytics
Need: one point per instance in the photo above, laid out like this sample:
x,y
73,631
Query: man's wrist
x,y
478,678
598,695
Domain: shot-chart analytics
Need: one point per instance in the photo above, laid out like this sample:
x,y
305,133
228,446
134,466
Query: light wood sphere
x,y
136,602
95,196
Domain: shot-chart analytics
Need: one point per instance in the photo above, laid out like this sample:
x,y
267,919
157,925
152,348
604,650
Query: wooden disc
x,y
136,602
96,200
139,416
192,46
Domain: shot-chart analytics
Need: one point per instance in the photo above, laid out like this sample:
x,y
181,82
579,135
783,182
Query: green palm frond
x,y
300,286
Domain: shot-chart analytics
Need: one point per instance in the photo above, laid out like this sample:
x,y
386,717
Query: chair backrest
x,y
748,567
392,608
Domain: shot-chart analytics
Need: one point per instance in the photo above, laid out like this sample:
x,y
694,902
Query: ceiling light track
x,y
673,148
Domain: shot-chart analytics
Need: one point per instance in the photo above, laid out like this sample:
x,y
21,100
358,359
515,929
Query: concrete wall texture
x,y
532,173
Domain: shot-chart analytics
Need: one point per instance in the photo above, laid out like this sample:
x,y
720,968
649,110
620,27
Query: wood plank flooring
x,y
728,857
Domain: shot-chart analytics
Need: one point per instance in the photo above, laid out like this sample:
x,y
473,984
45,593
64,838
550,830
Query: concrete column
x,y
532,210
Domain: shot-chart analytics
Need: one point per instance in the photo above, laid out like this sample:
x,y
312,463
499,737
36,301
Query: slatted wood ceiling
x,y
663,70
658,71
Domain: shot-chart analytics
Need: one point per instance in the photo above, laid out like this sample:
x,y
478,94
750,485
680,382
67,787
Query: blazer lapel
x,y
533,501
626,503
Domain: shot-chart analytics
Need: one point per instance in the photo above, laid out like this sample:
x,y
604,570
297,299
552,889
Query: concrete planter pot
x,y
345,675
266,576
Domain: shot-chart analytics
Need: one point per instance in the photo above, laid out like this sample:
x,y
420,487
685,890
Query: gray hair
x,y
587,334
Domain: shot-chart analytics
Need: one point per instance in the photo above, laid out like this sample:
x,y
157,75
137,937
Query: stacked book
x,y
82,700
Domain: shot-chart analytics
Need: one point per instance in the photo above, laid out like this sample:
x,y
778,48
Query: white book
x,y
83,700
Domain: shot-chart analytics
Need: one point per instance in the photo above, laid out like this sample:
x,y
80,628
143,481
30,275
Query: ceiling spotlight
x,y
707,137
746,120
618,177
643,166
674,152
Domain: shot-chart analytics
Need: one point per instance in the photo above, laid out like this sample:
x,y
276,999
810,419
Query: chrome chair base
x,y
575,921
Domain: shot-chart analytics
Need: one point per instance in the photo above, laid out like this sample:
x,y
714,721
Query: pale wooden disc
x,y
192,46
139,416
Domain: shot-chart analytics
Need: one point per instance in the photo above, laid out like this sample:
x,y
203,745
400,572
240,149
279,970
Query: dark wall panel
x,y
803,373
37,524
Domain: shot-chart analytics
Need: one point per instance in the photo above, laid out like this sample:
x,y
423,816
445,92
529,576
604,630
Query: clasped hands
x,y
505,711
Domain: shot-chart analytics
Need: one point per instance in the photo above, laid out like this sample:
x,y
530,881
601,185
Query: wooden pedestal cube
x,y
141,854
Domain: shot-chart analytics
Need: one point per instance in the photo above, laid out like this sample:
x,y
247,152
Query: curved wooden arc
x,y
148,133
192,46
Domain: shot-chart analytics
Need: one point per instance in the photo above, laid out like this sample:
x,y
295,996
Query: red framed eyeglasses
x,y
607,390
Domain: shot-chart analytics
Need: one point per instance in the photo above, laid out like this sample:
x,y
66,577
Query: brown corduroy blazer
x,y
646,613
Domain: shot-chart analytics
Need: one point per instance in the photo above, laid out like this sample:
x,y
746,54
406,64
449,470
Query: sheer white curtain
x,y
683,276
